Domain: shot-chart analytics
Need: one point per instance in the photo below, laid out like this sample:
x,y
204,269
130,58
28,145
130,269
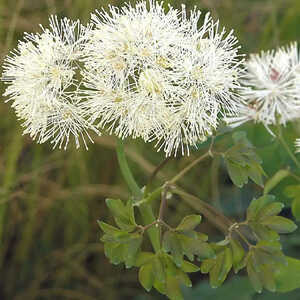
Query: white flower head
x,y
160,75
272,84
43,87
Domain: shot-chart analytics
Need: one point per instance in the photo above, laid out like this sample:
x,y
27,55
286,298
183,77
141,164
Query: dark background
x,y
50,200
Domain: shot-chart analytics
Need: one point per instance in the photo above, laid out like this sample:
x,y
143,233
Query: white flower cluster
x,y
44,89
157,76
272,88
139,71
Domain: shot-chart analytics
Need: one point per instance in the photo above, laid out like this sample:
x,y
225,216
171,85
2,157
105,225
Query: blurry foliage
x,y
50,200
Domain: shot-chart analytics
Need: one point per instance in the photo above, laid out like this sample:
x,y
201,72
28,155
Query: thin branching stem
x,y
157,223
157,169
189,167
213,215
243,238
194,163
163,205
235,227
286,147
163,202
294,175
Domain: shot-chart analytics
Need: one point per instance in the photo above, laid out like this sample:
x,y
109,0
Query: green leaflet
x,y
122,247
257,204
279,224
189,223
123,214
218,267
160,272
275,179
293,191
263,220
296,208
254,276
287,276
238,254
184,241
262,232
146,276
172,244
271,209
121,244
242,162
221,268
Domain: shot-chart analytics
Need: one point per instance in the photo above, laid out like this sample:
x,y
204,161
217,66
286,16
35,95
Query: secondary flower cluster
x,y
145,72
272,94
138,71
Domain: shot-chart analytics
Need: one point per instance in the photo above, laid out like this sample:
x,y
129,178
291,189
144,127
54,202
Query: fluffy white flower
x,y
43,86
156,74
273,87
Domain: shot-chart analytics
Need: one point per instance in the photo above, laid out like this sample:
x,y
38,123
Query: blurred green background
x,y
50,200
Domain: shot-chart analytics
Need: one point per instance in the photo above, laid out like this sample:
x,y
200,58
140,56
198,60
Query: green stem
x,y
214,216
163,202
294,175
153,175
187,168
153,232
235,227
285,145
150,197
154,195
126,172
145,208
